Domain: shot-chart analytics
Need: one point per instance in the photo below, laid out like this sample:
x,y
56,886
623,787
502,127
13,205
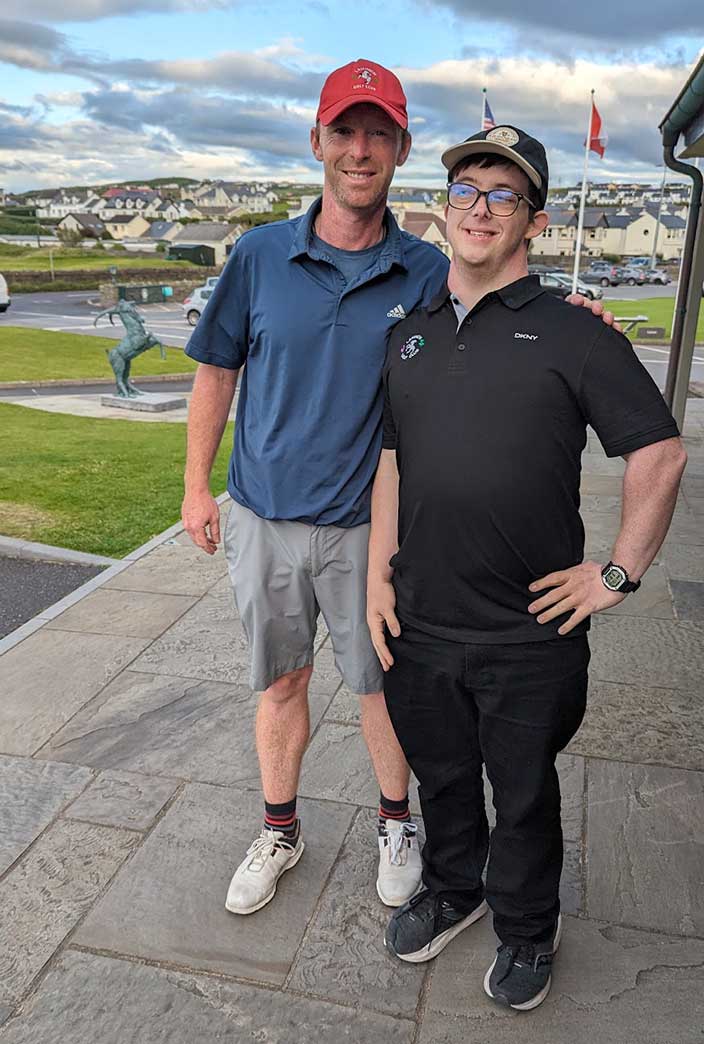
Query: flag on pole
x,y
597,135
488,121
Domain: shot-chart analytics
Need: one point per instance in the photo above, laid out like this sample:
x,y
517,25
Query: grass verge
x,y
659,311
27,354
102,486
65,260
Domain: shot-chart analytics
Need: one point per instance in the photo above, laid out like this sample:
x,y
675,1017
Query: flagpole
x,y
481,121
580,222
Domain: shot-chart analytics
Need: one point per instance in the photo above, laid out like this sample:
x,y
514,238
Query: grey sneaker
x,y
420,929
520,976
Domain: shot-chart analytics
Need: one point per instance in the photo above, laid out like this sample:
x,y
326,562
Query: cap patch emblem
x,y
503,136
412,346
367,76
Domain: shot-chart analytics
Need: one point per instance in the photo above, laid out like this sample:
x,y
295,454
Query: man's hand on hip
x,y
381,605
578,589
200,515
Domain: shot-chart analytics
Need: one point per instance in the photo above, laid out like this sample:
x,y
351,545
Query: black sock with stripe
x,y
388,809
282,817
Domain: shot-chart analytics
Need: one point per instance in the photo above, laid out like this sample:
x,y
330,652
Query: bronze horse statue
x,y
137,340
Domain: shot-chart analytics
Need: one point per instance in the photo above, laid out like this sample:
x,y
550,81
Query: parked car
x,y
603,273
658,275
211,282
634,275
5,299
560,284
542,269
195,303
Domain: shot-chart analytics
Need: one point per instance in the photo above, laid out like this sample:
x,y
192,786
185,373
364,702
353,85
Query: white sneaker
x,y
254,882
399,863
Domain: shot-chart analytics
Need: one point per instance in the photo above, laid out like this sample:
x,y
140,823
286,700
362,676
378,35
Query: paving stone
x,y
337,767
345,708
86,998
686,528
609,984
688,597
169,726
598,464
641,651
343,955
207,642
172,569
137,613
169,904
653,598
682,562
599,504
123,799
571,881
601,485
49,676
642,724
5,1012
48,891
31,794
644,846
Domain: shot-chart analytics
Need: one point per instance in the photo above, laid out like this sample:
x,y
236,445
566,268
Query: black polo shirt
x,y
489,422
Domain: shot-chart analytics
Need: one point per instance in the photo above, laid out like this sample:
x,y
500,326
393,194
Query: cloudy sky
x,y
94,90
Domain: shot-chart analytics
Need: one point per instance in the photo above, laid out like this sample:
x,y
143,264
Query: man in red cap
x,y
307,304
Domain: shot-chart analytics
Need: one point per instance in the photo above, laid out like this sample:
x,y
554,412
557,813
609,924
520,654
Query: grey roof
x,y
560,216
619,220
158,229
204,231
672,221
122,219
89,220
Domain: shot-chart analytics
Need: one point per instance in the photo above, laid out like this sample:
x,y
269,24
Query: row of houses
x,y
626,232
135,232
208,200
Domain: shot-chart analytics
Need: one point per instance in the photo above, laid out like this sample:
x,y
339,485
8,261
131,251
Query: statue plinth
x,y
146,402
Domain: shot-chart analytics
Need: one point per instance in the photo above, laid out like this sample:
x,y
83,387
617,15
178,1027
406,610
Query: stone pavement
x,y
129,791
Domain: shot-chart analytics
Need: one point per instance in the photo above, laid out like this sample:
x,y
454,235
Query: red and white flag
x,y
597,135
488,121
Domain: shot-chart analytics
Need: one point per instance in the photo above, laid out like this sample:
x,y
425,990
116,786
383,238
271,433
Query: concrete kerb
x,y
119,565
80,382
14,548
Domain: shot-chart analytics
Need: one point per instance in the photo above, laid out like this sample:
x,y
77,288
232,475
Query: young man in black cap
x,y
478,598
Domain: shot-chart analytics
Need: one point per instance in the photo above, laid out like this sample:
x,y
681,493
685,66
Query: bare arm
x,y
650,485
213,392
383,543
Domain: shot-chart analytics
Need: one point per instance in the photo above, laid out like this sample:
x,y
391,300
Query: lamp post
x,y
653,258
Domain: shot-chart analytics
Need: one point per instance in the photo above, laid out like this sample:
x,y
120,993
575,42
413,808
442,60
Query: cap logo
x,y
503,136
367,76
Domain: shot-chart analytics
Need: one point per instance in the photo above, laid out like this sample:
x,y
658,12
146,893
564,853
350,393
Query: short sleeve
x,y
221,337
388,440
620,399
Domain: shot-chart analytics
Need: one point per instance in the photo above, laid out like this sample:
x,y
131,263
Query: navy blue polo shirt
x,y
309,417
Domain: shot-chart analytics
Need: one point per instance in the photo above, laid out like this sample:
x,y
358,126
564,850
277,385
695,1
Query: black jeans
x,y
457,707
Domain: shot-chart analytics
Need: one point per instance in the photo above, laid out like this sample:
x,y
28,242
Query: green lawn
x,y
41,355
66,259
659,311
103,486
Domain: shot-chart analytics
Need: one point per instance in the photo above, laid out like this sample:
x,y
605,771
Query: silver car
x,y
195,303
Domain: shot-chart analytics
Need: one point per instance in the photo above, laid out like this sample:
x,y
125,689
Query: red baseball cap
x,y
358,82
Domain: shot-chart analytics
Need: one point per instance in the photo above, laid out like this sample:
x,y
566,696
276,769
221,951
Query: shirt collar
x,y
513,295
392,252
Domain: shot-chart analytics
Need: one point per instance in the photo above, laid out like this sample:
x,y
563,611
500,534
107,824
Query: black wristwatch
x,y
615,578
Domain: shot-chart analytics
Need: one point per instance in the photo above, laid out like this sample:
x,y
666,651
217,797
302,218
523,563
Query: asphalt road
x,y
74,312
28,586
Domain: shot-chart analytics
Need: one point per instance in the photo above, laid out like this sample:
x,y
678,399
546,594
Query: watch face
x,y
613,577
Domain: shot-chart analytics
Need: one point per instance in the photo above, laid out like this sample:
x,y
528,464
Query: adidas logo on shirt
x,y
399,312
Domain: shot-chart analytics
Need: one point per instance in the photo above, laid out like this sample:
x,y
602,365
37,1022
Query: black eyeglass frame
x,y
519,196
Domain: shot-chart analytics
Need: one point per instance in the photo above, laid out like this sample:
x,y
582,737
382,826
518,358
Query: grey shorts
x,y
284,574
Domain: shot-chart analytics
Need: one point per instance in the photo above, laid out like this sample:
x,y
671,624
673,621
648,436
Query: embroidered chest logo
x,y
412,346
397,312
526,336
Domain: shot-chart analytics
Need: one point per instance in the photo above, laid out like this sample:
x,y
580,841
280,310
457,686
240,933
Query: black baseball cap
x,y
513,143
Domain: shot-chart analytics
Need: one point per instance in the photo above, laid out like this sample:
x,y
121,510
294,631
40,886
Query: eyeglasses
x,y
500,202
